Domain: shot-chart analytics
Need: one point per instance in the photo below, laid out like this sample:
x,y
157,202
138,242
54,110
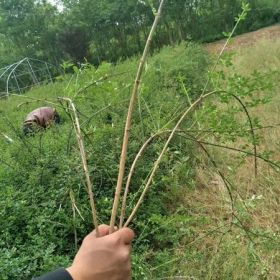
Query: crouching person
x,y
42,117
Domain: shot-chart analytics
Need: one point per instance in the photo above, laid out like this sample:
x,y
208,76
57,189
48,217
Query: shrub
x,y
39,231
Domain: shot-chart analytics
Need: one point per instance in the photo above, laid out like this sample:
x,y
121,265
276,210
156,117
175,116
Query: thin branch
x,y
244,12
88,120
242,151
72,199
145,145
140,153
129,118
22,138
156,165
227,183
77,127
235,131
34,99
7,138
252,130
93,83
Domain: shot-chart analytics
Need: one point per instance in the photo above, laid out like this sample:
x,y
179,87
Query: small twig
x,y
101,79
90,84
233,131
240,18
242,151
34,99
247,231
251,129
226,182
72,198
77,127
22,138
87,121
9,139
208,233
129,118
75,205
166,263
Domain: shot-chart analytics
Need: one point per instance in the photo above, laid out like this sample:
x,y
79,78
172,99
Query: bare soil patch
x,y
247,39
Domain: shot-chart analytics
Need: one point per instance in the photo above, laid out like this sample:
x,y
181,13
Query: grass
x,y
183,229
217,250
41,176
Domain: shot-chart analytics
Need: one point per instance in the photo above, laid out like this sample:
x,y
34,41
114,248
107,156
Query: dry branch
x,y
156,165
201,143
77,127
198,101
72,199
139,154
129,118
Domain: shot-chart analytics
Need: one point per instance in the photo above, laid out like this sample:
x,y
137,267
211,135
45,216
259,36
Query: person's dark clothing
x,y
60,274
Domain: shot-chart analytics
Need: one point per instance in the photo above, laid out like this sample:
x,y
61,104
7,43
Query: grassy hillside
x,y
189,226
250,248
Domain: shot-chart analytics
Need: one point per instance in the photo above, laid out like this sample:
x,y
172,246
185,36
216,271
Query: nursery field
x,y
213,209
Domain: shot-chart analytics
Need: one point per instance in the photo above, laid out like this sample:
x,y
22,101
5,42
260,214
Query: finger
x,y
103,230
126,235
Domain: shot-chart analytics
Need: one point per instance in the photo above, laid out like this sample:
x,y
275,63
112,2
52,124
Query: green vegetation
x,y
185,227
213,209
40,172
116,29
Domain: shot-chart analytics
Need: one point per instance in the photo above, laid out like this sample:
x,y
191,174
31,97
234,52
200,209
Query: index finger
x,y
126,235
103,230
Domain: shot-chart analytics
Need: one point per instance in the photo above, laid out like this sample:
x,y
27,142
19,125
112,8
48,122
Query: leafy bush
x,y
38,232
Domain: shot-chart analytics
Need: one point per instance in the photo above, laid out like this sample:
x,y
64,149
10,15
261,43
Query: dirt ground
x,y
248,39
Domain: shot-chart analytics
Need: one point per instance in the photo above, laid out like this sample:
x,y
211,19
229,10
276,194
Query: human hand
x,y
106,257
